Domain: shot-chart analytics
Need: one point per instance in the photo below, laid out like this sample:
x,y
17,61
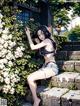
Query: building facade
x,y
40,12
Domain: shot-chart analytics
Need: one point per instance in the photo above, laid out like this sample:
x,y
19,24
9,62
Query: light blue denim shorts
x,y
51,65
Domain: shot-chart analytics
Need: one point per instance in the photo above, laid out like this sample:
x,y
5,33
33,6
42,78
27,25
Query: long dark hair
x,y
45,31
47,34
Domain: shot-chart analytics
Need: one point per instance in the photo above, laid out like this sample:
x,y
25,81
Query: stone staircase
x,y
65,87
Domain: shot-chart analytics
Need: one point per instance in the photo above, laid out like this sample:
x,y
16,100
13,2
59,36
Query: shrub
x,y
74,34
16,58
59,40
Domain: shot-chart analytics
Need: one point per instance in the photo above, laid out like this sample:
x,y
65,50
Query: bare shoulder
x,y
47,40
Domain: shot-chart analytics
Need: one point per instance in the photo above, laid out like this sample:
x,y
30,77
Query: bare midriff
x,y
49,59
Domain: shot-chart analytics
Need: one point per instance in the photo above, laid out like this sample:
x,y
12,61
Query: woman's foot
x,y
36,103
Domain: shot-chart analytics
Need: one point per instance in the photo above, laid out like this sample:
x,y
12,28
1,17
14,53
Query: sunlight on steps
x,y
65,87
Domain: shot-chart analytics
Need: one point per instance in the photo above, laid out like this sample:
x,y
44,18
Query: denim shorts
x,y
51,65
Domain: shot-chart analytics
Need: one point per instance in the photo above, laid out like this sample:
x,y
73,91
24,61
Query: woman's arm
x,y
33,47
37,41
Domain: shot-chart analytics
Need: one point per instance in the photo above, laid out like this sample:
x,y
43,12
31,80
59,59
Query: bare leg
x,y
33,87
36,76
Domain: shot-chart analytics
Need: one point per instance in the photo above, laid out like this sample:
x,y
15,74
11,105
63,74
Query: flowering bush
x,y
9,52
16,58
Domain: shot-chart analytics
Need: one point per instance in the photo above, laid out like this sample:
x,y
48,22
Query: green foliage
x,y
74,34
62,15
59,40
26,64
77,8
59,12
33,25
12,100
72,87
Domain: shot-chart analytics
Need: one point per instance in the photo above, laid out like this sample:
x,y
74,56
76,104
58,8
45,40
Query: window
x,y
23,16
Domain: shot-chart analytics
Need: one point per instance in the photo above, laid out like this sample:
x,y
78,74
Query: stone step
x,y
70,46
60,97
71,43
69,80
71,65
3,102
52,96
68,55
27,104
72,98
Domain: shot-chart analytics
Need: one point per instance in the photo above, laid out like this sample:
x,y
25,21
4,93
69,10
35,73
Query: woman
x,y
47,48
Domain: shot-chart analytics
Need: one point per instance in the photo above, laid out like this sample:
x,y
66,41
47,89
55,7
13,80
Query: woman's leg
x,y
46,73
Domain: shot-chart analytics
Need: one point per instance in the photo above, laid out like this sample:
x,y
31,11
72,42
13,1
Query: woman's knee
x,y
30,78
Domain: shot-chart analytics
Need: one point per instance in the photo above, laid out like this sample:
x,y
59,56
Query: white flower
x,y
22,48
10,36
2,41
1,47
9,48
12,90
6,88
0,21
2,66
4,51
1,25
5,74
18,53
9,56
1,30
1,79
10,63
12,44
18,78
4,36
18,49
6,31
12,84
5,60
0,54
5,45
1,72
1,16
7,80
14,80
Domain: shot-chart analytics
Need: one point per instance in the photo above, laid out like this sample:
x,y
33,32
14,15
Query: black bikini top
x,y
43,51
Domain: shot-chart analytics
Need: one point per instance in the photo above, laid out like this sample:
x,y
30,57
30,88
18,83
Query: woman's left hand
x,y
27,30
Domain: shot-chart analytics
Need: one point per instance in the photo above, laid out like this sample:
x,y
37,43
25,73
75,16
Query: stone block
x,y
66,79
68,66
60,64
65,65
52,96
72,98
3,102
67,47
27,104
74,55
77,82
76,47
77,66
54,81
61,55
